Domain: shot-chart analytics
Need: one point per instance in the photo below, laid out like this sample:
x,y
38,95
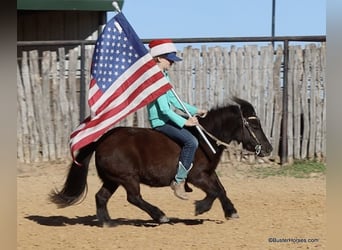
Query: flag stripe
x,y
124,78
146,79
151,92
128,84
96,127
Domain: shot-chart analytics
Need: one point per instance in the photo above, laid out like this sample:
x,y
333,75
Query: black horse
x,y
129,156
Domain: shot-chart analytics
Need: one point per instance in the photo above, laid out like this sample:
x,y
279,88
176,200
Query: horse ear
x,y
247,109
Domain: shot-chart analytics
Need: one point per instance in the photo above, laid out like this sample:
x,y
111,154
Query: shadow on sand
x,y
91,220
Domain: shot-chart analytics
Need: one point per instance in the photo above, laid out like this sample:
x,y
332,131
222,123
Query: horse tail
x,y
75,186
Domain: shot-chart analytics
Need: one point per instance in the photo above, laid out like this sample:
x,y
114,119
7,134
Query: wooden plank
x,y
267,98
24,112
46,90
185,83
204,76
57,119
312,111
39,104
225,74
297,86
319,104
240,77
305,105
142,119
277,93
72,86
323,82
211,75
87,67
198,101
23,154
254,81
190,97
33,138
219,82
290,105
247,68
63,102
232,74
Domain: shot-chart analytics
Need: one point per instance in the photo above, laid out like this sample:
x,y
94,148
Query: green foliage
x,y
300,169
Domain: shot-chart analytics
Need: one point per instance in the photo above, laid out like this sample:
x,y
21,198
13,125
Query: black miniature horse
x,y
129,156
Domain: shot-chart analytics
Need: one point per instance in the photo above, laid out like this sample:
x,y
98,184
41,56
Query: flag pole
x,y
116,6
197,127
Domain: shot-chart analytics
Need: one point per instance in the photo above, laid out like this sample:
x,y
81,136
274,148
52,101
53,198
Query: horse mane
x,y
221,113
232,111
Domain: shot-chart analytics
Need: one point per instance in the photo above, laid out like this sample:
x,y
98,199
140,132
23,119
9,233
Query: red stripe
x,y
125,85
92,83
121,106
97,95
94,136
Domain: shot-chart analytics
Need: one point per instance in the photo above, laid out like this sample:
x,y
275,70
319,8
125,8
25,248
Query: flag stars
x,y
113,55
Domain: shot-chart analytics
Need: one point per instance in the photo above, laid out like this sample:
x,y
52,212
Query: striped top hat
x,y
164,48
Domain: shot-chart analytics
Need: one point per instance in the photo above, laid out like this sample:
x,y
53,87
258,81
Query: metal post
x,y
197,127
273,20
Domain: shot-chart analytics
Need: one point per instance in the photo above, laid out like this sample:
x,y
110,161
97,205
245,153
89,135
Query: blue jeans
x,y
184,138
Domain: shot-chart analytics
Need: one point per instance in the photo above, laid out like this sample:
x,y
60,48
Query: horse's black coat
x,y
129,156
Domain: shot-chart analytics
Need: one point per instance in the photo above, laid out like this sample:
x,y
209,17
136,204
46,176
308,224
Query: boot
x,y
179,190
177,185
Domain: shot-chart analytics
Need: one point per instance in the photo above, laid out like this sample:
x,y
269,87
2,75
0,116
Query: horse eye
x,y
254,124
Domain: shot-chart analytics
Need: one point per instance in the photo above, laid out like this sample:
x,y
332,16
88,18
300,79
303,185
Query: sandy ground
x,y
275,213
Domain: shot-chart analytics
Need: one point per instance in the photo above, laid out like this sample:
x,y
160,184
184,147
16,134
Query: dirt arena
x,y
275,213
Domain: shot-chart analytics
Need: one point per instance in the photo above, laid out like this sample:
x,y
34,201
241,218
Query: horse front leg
x,y
227,205
213,188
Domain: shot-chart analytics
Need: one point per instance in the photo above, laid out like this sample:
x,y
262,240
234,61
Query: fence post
x,y
284,158
82,84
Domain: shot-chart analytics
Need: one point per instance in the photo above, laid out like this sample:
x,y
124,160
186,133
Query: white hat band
x,y
163,49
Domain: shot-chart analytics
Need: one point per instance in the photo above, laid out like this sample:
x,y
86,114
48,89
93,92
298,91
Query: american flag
x,y
124,78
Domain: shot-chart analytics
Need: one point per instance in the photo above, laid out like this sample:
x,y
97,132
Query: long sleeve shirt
x,y
162,110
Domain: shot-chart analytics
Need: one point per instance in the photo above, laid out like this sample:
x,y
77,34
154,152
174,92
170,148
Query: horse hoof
x,y
164,219
108,224
233,216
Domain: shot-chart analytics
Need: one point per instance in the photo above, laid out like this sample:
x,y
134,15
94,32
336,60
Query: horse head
x,y
252,137
238,122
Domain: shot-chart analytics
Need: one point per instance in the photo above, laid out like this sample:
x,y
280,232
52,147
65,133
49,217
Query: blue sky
x,y
225,18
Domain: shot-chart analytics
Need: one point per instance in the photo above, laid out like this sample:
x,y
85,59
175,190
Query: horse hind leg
x,y
134,197
101,198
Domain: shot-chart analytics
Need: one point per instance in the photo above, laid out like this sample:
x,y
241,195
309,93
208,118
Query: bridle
x,y
251,132
245,124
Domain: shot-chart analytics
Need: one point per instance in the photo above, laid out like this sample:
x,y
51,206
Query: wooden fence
x,y
49,84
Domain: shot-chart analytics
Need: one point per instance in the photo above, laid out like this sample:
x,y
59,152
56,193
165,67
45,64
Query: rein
x,y
218,141
245,124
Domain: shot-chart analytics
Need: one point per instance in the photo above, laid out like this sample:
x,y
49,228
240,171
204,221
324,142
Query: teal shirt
x,y
161,110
